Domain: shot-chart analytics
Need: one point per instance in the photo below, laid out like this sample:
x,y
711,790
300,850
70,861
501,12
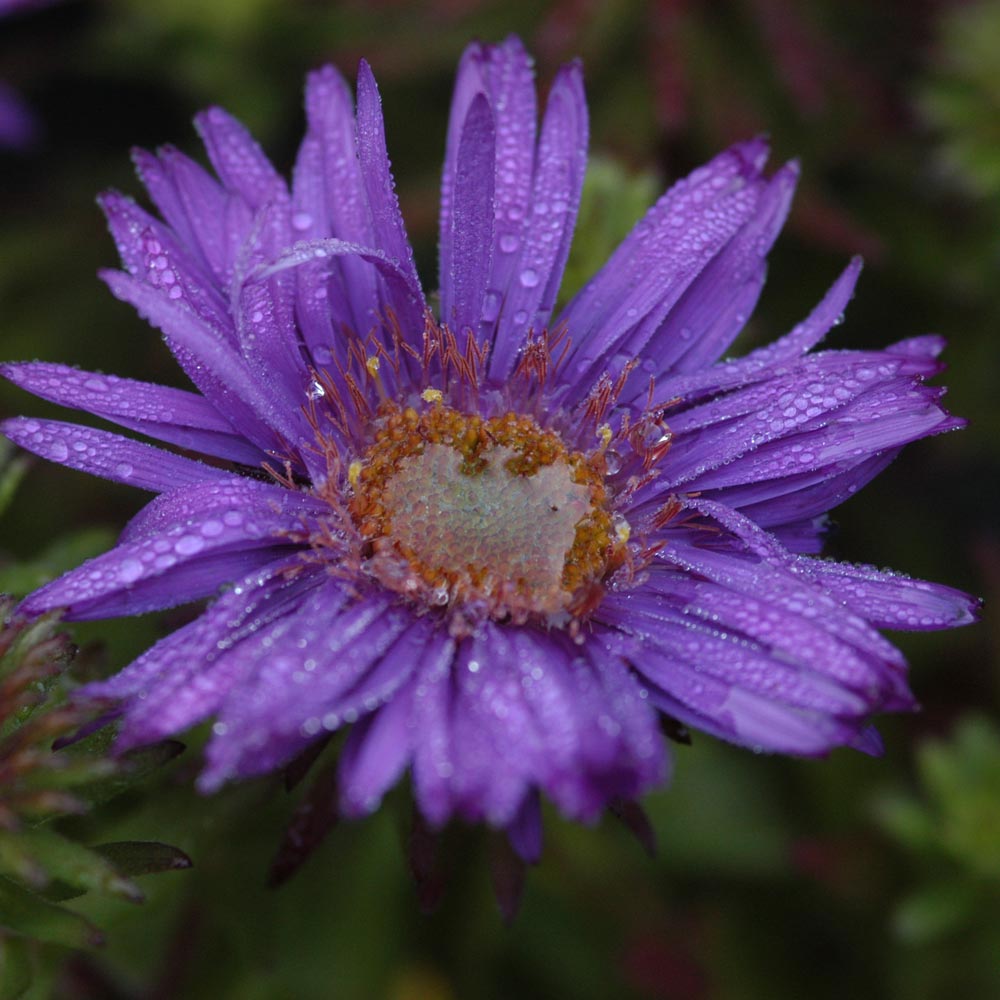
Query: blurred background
x,y
773,878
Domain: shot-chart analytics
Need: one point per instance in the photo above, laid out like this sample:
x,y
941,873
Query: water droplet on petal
x,y
529,277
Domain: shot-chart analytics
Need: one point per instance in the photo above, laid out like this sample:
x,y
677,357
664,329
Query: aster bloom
x,y
500,544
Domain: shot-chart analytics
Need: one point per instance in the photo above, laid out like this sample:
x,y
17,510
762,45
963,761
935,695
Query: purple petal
x,y
503,74
309,664
214,366
468,246
629,298
238,159
530,290
108,455
892,600
525,831
182,547
184,677
383,205
172,415
211,223
329,200
18,126
760,363
715,307
151,252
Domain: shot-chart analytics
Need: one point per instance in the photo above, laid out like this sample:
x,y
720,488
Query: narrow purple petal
x,y
560,164
108,455
212,223
383,205
644,278
329,200
182,547
172,415
238,159
151,252
892,600
759,364
470,239
310,661
184,677
715,307
214,366
525,831
18,126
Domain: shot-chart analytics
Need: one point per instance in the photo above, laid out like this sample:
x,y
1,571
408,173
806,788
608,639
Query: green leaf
x,y
132,768
143,857
11,473
15,968
22,912
935,910
76,865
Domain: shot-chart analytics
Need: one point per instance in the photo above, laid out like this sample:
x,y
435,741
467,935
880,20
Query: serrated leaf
x,y
22,912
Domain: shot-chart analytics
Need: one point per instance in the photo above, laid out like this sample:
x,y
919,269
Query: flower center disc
x,y
495,515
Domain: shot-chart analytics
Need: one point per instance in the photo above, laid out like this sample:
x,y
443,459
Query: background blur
x,y
774,878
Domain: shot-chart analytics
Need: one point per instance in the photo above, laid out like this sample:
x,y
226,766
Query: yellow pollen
x,y
605,434
432,395
354,473
372,364
492,514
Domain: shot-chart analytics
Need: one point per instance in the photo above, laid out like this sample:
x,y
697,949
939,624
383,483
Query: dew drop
x,y
529,277
509,242
124,470
301,221
130,571
58,451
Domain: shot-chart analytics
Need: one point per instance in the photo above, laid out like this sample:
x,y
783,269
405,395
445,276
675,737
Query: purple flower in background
x,y
18,126
496,542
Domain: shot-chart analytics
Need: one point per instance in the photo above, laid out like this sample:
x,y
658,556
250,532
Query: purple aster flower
x,y
500,544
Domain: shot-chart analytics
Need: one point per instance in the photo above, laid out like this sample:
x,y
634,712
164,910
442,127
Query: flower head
x,y
497,542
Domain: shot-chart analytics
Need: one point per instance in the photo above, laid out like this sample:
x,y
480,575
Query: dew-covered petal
x,y
468,244
380,746
239,161
329,201
741,639
716,305
503,75
234,498
629,298
151,252
167,414
892,600
406,296
108,455
211,222
829,411
181,547
759,364
383,205
213,365
529,294
521,710
309,662
183,678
